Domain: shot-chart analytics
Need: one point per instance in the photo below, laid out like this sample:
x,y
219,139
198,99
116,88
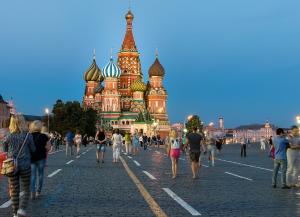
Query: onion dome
x,y
156,69
93,73
138,85
111,70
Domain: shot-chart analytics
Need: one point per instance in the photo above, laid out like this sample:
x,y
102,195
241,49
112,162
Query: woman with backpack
x,y
20,146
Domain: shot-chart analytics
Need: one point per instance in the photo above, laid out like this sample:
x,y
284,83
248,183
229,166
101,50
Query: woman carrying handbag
x,y
20,146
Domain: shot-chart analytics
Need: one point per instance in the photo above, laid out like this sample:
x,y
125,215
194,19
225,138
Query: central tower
x,y
129,62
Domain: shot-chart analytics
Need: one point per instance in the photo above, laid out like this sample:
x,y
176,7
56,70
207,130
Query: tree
x,y
194,121
71,116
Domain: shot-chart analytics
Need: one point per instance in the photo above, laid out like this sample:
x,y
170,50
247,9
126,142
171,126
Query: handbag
x,y
10,165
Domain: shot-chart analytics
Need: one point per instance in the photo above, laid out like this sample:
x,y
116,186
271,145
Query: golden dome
x,y
93,73
138,85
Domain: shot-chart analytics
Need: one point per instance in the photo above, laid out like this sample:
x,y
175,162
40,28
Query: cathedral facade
x,y
120,96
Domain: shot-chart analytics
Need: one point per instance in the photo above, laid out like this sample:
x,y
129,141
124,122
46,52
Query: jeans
x,y
69,145
277,164
293,164
37,171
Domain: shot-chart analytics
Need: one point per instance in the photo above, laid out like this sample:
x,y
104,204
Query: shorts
x,y
101,148
194,156
175,153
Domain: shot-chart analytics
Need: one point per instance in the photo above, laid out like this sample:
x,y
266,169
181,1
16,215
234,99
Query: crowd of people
x,y
29,147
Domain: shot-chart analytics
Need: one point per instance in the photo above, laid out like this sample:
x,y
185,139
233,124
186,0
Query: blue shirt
x,y
281,144
69,137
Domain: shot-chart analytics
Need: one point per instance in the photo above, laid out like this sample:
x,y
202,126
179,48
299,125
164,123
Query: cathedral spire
x,y
129,43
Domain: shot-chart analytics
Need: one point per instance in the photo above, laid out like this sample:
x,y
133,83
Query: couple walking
x,y
194,141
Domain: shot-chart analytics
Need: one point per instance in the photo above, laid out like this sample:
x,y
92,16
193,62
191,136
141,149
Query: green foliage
x,y
194,121
71,115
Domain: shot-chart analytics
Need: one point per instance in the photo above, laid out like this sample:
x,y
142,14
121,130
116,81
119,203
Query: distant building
x,y
4,112
253,132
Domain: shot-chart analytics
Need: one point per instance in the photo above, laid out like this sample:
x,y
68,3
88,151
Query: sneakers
x,y
33,195
38,194
274,186
285,187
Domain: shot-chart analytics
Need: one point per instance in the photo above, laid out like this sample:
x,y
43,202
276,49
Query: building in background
x,y
119,94
253,132
5,110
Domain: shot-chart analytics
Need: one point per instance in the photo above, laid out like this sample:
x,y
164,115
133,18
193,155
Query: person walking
x,y
100,140
174,152
127,143
135,142
262,144
280,144
38,158
69,142
20,146
117,140
145,141
85,140
141,139
194,140
243,147
77,141
211,150
293,158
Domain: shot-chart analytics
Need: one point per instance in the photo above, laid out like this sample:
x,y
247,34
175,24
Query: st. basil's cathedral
x,y
119,94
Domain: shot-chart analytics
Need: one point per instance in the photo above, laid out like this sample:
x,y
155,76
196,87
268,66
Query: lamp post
x,y
298,119
47,111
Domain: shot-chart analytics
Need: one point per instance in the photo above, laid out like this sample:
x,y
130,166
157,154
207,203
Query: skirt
x,y
175,153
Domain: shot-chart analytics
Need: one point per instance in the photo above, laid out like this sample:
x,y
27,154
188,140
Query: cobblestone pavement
x,y
234,187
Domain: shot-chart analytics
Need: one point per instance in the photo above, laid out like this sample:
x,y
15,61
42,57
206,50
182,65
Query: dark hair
x,y
117,131
279,131
294,127
195,128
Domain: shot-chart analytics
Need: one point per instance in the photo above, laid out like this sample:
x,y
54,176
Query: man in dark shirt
x,y
194,140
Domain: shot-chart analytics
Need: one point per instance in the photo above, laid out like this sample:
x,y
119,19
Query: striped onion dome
x,y
93,73
138,85
111,70
156,69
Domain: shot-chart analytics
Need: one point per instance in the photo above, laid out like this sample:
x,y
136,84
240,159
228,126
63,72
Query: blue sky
x,y
238,59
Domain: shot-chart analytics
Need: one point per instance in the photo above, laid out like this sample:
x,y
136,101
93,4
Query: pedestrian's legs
x,y
33,178
275,172
71,148
14,183
25,180
67,148
114,154
283,172
242,149
291,175
117,154
245,147
41,167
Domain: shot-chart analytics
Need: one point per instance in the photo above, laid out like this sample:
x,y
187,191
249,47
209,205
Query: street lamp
x,y
47,111
298,119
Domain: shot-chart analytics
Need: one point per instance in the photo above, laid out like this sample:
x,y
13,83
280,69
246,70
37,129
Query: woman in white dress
x,y
117,140
77,141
